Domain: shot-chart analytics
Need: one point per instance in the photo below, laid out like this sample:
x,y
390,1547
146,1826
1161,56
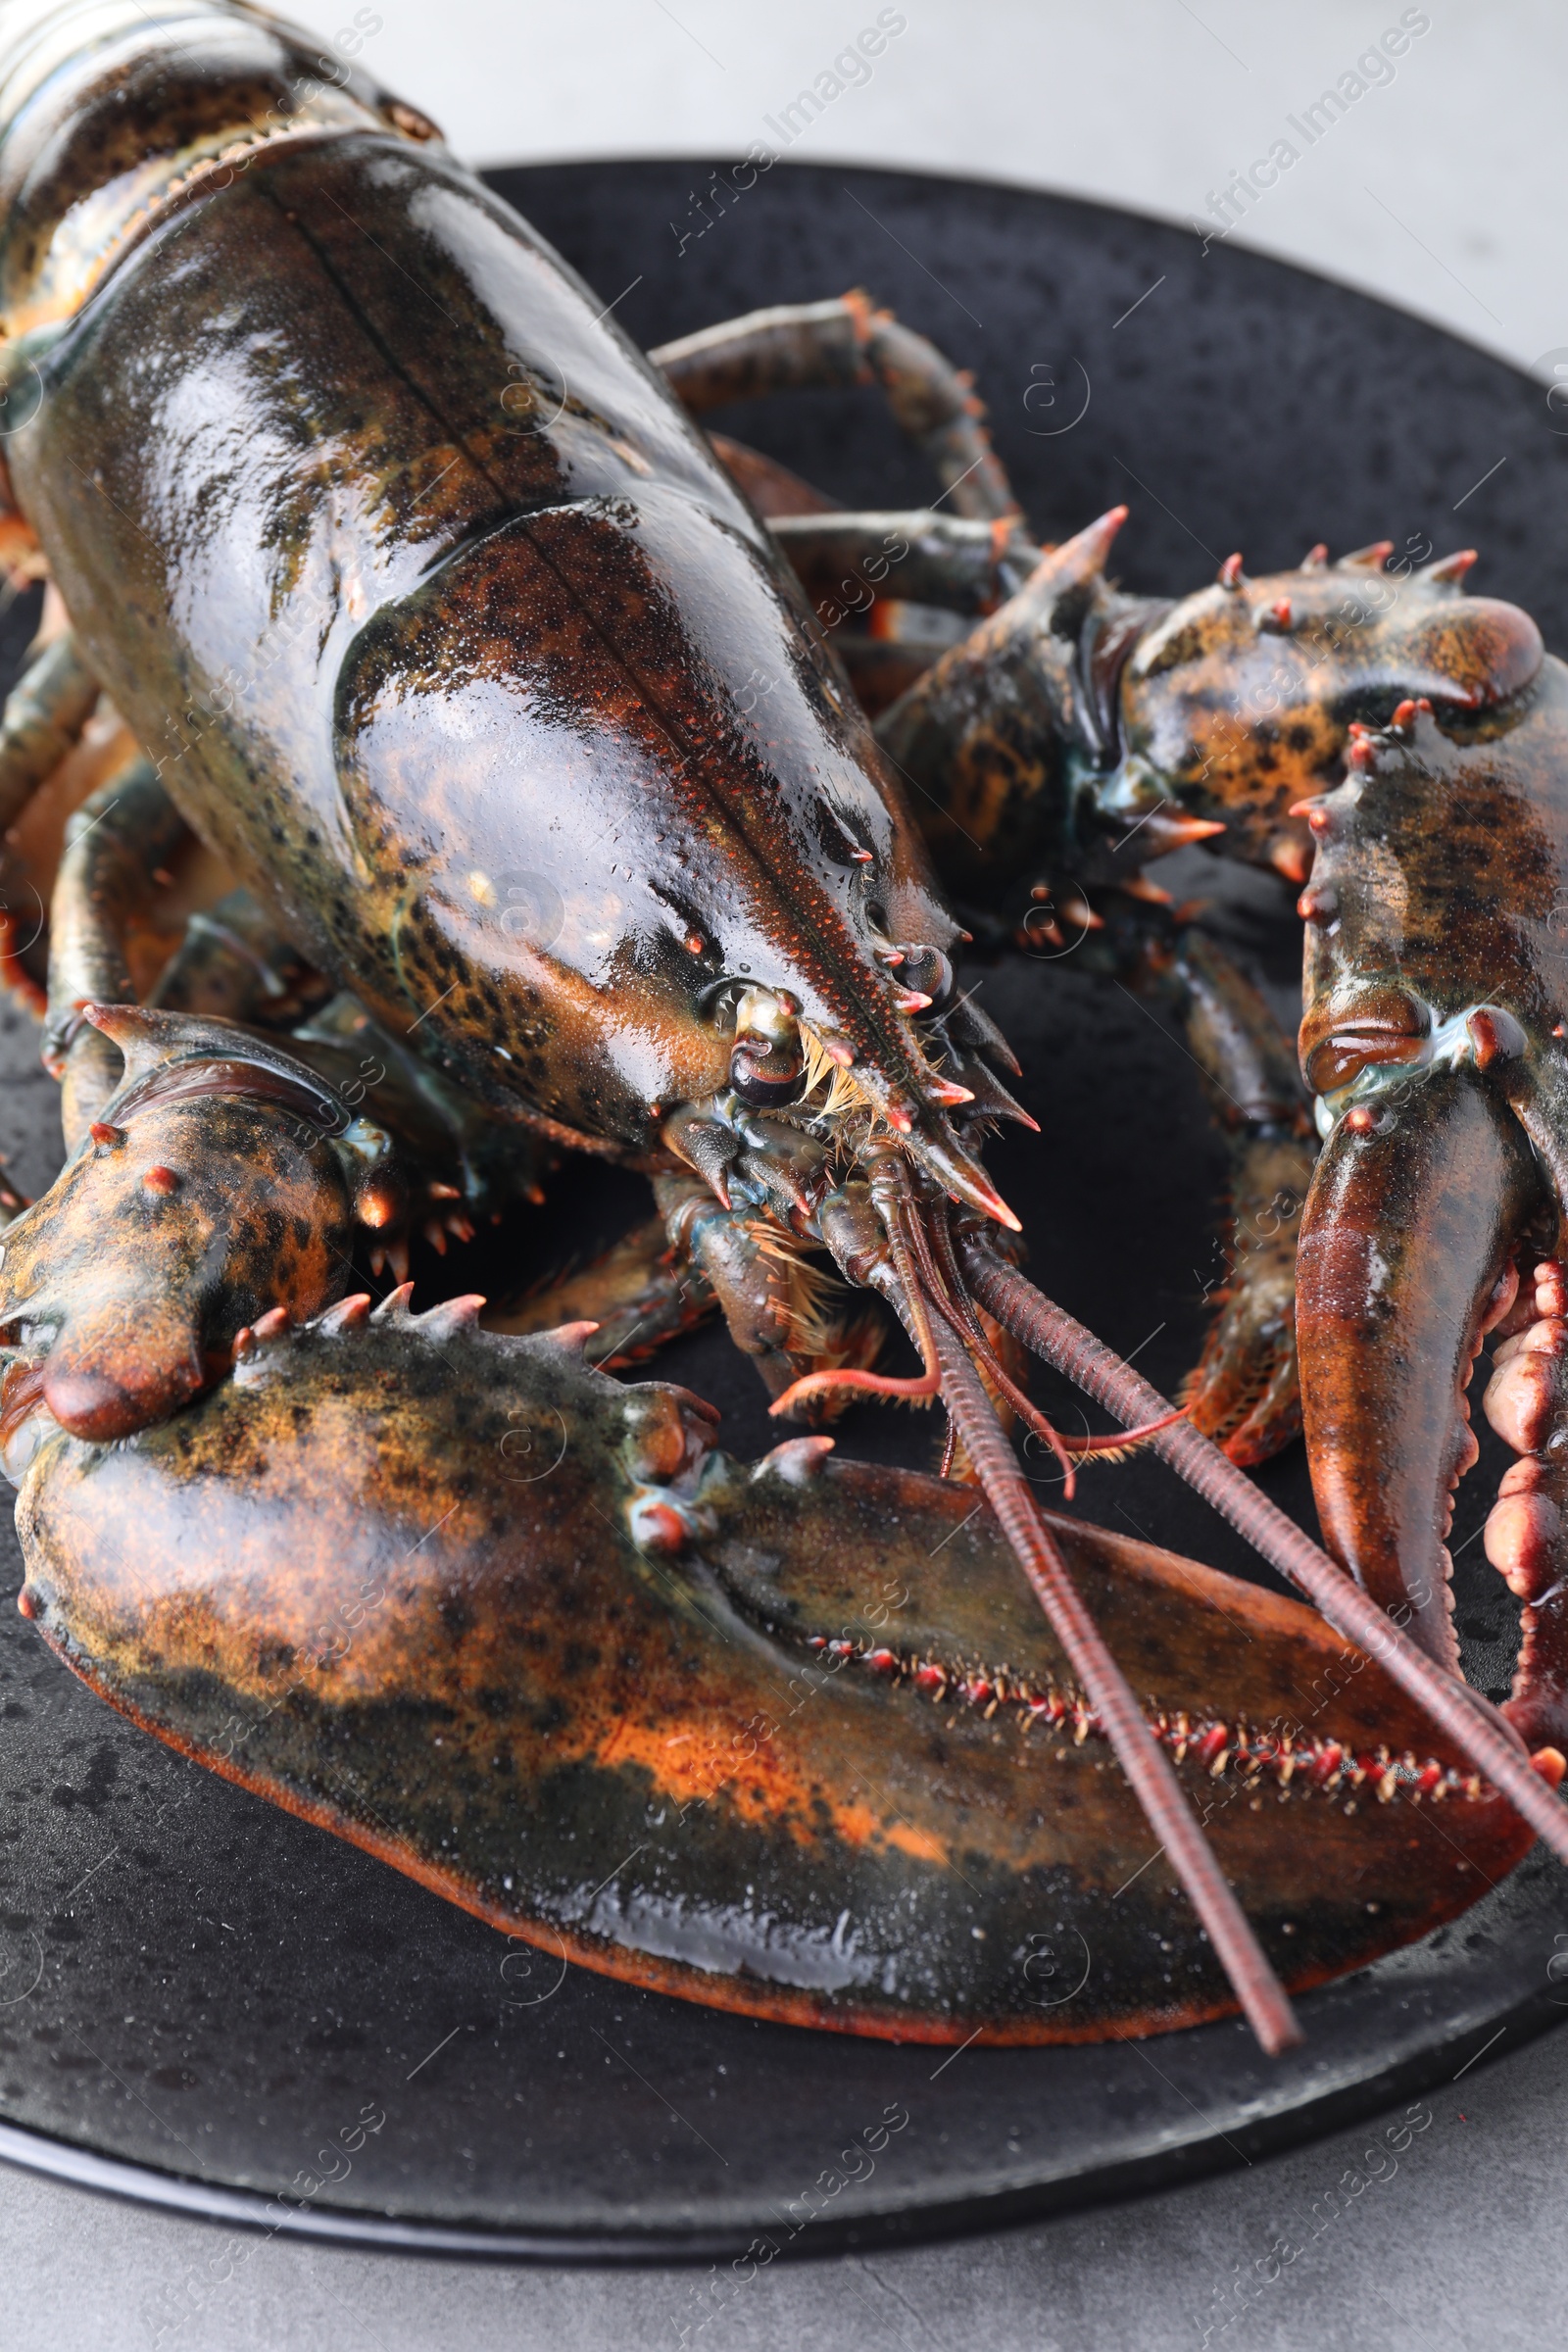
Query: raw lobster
x,y
556,824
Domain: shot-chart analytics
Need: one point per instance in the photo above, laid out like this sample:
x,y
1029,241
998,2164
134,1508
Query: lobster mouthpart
x,y
793,1740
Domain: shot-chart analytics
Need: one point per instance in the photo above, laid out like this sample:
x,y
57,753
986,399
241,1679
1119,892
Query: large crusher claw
x,y
792,1740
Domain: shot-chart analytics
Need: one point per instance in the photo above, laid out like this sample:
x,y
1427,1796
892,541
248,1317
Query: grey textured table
x,y
1464,2245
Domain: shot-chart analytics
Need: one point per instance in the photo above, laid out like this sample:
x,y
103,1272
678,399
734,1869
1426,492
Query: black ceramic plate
x,y
198,1994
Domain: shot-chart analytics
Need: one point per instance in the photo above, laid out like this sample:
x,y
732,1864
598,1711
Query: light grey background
x,y
1446,191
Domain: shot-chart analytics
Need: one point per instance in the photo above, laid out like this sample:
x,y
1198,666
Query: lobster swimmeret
x,y
485,787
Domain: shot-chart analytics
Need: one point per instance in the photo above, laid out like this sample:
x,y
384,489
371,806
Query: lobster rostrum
x,y
444,633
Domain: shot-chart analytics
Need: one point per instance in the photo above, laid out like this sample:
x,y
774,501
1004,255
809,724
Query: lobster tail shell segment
x,y
243,84
685,1712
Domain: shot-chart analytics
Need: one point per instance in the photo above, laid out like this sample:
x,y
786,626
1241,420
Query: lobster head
x,y
1236,703
642,865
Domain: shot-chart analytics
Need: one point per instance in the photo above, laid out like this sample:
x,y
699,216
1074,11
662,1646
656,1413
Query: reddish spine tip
x,y
660,1529
1230,572
375,1206
27,1602
161,1180
104,1135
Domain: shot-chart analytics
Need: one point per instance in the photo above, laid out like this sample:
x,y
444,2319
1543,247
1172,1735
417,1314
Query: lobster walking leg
x,y
1244,1392
44,719
234,964
641,1294
44,715
836,344
1527,1530
115,841
918,557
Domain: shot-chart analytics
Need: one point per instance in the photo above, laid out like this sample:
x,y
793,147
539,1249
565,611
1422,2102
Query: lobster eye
x,y
766,1076
767,1064
928,970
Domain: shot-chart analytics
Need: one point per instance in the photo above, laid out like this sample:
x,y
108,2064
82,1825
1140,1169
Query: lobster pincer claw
x,y
1409,1226
1434,1014
209,1193
794,1740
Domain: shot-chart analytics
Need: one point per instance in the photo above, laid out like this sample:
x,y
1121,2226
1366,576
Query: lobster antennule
x,y
1482,1735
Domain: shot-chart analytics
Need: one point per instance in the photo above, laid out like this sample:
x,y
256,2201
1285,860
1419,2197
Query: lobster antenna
x,y
1149,1769
946,1349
